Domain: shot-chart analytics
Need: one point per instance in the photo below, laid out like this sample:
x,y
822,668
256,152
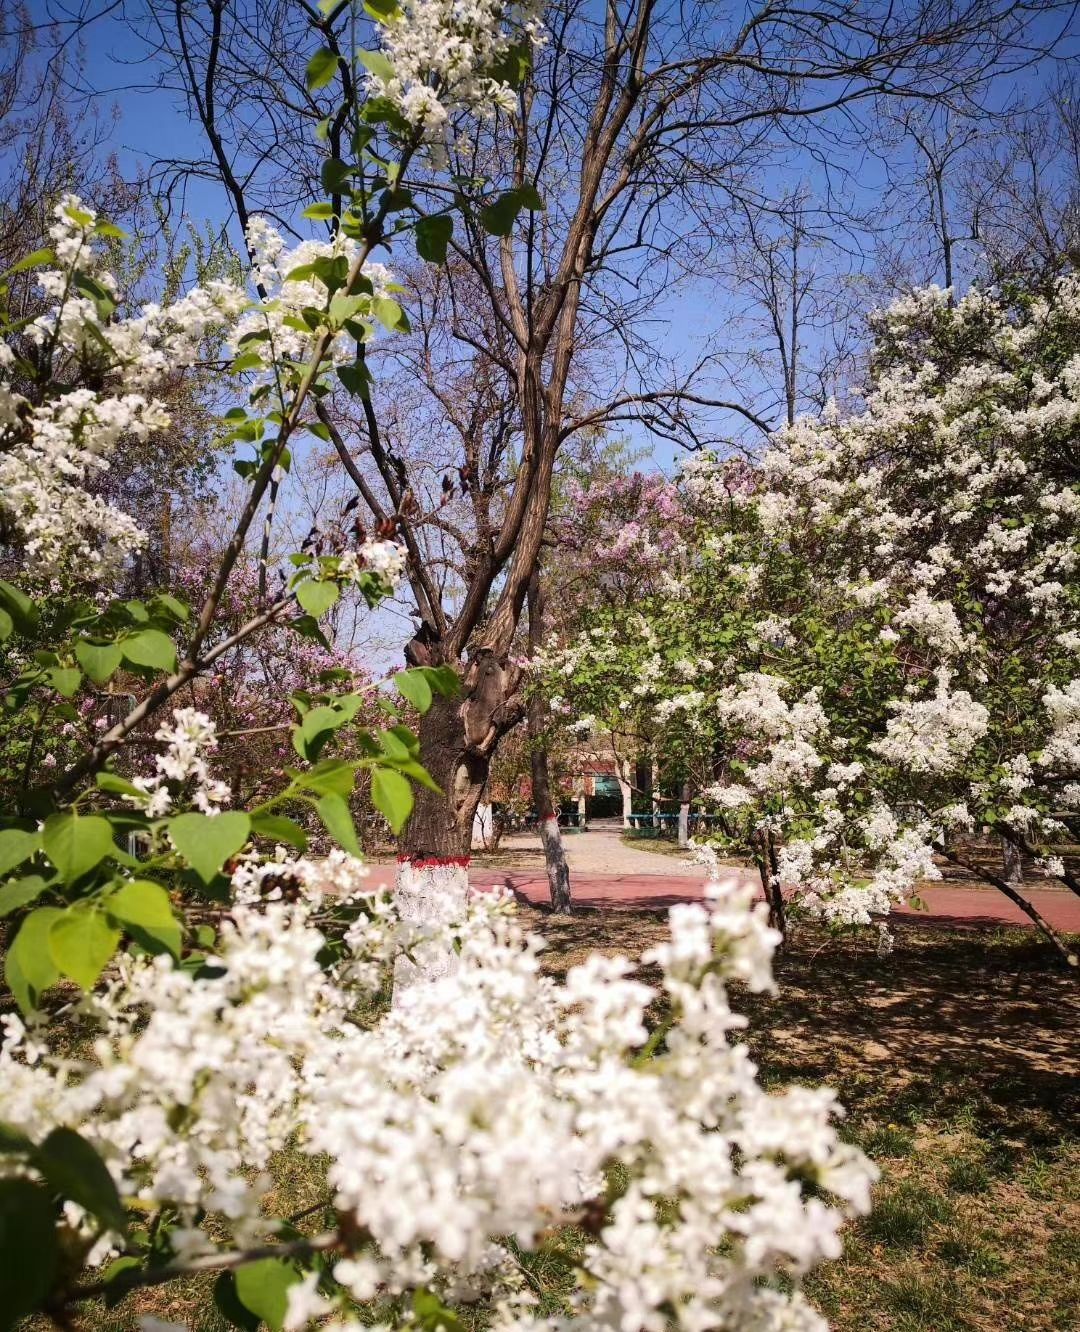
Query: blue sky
x,y
153,122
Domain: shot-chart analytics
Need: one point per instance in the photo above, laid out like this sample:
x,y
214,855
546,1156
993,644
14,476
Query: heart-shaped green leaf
x,y
100,661
392,796
317,598
29,968
207,841
144,910
76,843
17,845
81,942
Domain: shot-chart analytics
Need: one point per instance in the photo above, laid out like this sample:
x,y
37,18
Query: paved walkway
x,y
608,873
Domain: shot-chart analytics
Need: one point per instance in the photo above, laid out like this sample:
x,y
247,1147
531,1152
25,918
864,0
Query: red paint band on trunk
x,y
434,862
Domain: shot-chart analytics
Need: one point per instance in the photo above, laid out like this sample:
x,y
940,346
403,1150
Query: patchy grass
x,y
958,1062
661,846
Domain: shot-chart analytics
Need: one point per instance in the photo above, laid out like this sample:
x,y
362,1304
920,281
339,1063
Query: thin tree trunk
x,y
625,789
1070,958
684,815
769,872
558,871
1012,863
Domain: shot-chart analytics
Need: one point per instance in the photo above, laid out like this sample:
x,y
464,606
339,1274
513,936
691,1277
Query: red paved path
x,y
974,906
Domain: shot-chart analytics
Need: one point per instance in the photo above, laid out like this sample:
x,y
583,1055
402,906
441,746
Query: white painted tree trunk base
x,y
430,892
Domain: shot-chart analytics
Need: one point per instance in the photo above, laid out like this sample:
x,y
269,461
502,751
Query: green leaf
x,y
382,10
529,197
355,378
338,821
144,910
413,686
263,1287
432,1315
65,679
392,796
150,648
7,625
207,841
77,1173
331,776
443,679
277,829
19,606
116,785
227,1303
35,260
28,1245
18,893
390,314
433,236
317,598
115,1286
167,603
319,212
376,63
307,626
321,69
499,217
29,969
13,1141
334,175
17,846
99,660
81,942
75,844
344,307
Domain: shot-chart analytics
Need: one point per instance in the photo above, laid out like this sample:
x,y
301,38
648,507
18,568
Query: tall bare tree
x,y
639,123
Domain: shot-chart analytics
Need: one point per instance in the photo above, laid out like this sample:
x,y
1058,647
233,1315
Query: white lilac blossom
x,y
52,452
288,284
188,741
444,55
494,1102
385,558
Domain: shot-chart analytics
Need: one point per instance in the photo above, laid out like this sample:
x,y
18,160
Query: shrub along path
x,y
609,872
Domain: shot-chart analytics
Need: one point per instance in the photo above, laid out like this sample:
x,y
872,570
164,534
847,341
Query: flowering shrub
x,y
876,634
493,1111
224,1000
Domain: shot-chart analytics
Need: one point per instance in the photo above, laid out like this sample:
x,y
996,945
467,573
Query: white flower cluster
x,y
52,450
492,1103
933,734
444,55
188,740
388,559
291,285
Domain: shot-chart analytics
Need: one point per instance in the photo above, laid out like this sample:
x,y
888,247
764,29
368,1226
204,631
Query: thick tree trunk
x,y
457,737
684,815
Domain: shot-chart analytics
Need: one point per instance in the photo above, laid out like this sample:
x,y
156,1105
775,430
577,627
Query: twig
x,y
210,1262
